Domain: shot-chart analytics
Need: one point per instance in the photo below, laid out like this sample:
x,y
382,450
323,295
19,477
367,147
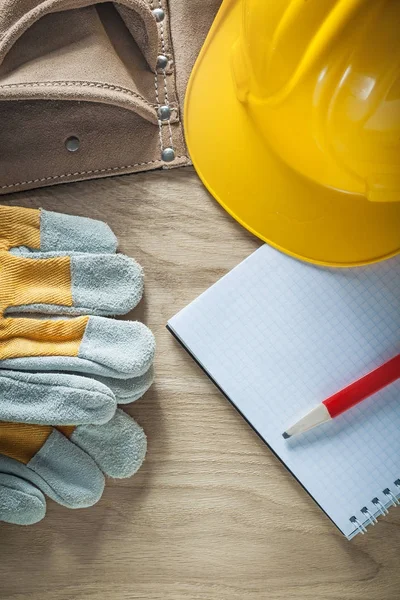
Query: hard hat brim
x,y
240,169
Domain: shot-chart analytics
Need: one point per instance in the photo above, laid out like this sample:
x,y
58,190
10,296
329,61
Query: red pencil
x,y
348,397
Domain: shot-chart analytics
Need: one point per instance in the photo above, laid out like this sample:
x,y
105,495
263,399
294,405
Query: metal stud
x,y
168,154
162,61
164,113
72,144
159,14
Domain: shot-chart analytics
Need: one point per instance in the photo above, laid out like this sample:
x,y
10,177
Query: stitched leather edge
x,y
89,172
62,83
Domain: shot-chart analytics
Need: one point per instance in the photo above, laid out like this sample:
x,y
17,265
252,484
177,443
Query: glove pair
x,y
62,377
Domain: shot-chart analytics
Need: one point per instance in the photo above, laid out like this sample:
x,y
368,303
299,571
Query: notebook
x,y
278,336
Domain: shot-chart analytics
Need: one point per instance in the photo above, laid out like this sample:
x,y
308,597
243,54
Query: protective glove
x,y
60,431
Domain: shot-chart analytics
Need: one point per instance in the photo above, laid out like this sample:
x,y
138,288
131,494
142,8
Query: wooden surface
x,y
212,515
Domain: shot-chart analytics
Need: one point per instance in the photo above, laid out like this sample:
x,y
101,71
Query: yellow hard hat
x,y
292,121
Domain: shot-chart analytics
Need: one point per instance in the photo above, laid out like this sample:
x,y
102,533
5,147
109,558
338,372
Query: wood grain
x,y
212,514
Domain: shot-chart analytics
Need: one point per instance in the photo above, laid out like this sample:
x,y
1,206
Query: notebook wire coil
x,y
379,508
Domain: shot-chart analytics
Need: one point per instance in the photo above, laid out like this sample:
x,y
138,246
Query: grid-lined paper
x,y
279,336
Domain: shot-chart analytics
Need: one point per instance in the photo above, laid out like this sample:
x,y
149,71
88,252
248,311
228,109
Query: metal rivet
x,y
162,62
159,14
72,144
164,113
168,154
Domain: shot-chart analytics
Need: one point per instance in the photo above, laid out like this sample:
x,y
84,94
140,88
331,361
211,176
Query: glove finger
x,y
21,503
74,284
128,390
59,232
54,399
118,447
48,459
54,232
65,398
92,345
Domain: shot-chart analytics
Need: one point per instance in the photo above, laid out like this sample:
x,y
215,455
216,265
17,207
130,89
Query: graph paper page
x,y
279,336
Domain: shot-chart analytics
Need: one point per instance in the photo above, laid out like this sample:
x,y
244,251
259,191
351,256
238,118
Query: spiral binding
x,y
378,508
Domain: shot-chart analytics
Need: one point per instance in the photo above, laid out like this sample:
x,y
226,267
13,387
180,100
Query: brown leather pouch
x,y
90,89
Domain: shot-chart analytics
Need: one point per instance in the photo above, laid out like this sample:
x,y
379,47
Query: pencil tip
x,y
286,435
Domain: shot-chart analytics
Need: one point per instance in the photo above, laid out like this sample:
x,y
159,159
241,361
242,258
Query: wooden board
x,y
212,515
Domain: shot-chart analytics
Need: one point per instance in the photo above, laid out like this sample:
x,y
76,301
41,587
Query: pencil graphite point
x,y
319,414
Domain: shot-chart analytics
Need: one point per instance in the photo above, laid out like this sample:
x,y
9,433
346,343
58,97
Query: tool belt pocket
x,y
81,86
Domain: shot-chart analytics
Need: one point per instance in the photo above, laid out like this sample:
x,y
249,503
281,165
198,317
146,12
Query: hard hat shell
x,y
292,120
